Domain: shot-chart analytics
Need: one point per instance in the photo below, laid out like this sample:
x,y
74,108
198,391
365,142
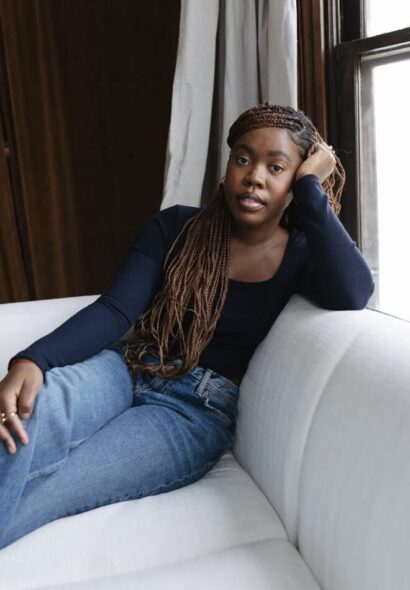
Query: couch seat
x,y
220,528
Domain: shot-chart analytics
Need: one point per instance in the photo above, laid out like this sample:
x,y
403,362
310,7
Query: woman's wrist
x,y
21,360
304,175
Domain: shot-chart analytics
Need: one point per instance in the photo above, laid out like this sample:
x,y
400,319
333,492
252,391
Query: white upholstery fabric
x,y
354,514
22,323
324,431
279,397
266,565
322,450
221,510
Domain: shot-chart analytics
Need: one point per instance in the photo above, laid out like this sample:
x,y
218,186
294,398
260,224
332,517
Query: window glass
x,y
384,179
382,16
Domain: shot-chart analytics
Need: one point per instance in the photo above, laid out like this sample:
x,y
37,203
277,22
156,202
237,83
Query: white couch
x,y
316,493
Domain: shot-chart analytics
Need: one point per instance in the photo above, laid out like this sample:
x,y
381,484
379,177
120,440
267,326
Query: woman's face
x,y
259,175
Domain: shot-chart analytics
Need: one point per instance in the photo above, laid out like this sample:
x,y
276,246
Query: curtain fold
x,y
231,55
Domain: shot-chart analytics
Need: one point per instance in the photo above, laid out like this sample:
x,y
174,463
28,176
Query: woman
x,y
87,421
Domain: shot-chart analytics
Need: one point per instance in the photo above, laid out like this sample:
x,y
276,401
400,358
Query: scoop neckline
x,y
291,233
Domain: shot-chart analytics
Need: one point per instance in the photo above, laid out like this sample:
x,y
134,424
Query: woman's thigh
x,y
156,446
75,402
129,438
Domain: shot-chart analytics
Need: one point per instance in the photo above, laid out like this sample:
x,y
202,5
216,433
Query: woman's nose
x,y
254,177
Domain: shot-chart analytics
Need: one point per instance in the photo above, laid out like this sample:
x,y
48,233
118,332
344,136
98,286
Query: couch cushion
x,y
324,431
26,321
222,510
354,515
280,392
264,565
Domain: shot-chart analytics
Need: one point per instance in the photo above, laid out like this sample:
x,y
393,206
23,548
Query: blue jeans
x,y
100,435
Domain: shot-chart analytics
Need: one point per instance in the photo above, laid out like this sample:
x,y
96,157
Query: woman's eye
x,y
276,168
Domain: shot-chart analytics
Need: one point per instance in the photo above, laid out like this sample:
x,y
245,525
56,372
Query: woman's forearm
x,y
335,273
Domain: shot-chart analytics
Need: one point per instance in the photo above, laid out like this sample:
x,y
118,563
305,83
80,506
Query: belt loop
x,y
204,382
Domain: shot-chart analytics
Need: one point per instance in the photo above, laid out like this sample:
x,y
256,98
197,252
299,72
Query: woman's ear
x,y
310,151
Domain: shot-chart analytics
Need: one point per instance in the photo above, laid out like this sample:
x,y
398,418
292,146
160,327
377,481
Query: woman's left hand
x,y
320,161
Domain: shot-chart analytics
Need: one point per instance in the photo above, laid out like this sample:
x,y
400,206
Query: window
x,y
382,17
370,109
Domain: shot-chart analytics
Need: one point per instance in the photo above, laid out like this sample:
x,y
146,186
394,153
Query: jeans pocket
x,y
220,395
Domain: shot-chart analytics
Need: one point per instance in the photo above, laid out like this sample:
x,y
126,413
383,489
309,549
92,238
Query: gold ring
x,y
4,416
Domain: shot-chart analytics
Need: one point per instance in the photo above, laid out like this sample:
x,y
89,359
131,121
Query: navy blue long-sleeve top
x,y
321,262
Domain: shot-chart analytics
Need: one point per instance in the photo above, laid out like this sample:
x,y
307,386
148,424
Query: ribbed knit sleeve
x,y
128,295
334,274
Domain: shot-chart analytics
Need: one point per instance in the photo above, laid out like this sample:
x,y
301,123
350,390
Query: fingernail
x,y
25,416
11,450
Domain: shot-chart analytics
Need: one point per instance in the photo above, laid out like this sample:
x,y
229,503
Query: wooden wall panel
x,y
13,283
90,88
45,202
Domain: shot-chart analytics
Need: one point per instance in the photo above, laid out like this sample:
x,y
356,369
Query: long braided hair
x,y
183,315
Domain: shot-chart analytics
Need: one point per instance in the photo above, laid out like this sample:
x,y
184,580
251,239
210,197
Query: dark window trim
x,y
311,62
369,44
330,45
344,113
352,19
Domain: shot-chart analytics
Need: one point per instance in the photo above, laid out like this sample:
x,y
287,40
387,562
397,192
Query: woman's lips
x,y
250,202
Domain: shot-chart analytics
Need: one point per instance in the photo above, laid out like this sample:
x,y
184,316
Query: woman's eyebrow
x,y
270,153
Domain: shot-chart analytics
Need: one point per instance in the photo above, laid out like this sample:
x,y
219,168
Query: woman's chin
x,y
250,220
247,211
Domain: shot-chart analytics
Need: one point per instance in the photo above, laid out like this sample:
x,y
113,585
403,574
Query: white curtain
x,y
232,54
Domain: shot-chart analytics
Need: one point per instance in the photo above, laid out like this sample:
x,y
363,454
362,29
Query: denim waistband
x,y
203,385
202,374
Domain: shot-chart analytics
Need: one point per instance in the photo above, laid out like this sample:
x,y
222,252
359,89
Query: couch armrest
x,y
281,390
24,322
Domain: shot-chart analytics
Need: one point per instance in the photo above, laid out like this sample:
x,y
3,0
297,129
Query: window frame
x,y
346,45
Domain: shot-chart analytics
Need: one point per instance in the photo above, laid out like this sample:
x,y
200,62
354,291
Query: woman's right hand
x,y
320,161
18,391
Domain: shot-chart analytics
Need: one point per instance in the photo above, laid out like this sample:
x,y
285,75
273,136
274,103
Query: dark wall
x,y
85,105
